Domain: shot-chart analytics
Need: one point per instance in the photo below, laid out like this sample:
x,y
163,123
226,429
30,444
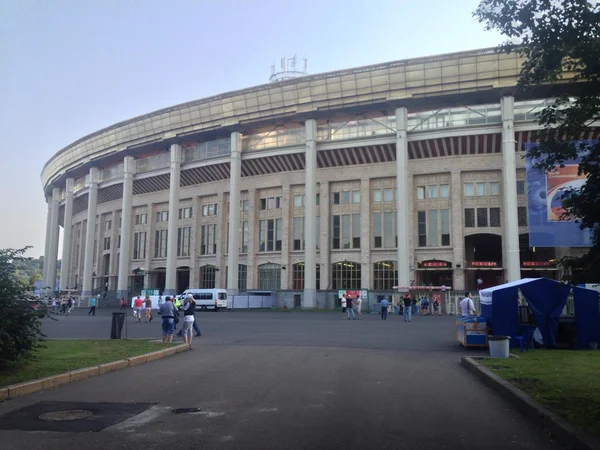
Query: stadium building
x,y
403,173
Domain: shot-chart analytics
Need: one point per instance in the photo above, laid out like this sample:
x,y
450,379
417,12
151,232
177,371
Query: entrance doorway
x,y
483,255
183,279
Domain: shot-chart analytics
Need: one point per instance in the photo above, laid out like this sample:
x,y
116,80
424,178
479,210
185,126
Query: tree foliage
x,y
20,325
560,42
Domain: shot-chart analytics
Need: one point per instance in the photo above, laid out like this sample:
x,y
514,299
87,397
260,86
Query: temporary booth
x,y
546,299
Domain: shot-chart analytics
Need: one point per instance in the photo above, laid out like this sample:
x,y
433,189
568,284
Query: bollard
x,y
118,319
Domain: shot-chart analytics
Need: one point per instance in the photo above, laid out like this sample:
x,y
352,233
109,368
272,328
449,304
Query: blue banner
x,y
544,205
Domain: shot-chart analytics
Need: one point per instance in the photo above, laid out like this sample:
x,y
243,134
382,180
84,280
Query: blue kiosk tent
x,y
546,298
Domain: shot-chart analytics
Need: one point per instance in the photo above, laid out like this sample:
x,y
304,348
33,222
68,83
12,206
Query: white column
x,y
53,246
126,213
171,275
47,244
365,233
88,261
234,213
402,197
310,211
65,270
509,188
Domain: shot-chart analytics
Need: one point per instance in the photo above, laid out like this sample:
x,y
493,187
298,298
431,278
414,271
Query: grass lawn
x,y
61,356
565,381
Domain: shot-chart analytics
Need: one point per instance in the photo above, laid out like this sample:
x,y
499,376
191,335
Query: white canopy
x,y
485,295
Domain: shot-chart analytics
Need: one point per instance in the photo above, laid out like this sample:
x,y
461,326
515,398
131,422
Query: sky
x,y
71,67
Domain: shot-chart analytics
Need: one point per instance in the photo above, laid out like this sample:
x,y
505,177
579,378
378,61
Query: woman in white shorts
x,y
189,309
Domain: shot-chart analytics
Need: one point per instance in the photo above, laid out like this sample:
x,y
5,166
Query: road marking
x,y
140,420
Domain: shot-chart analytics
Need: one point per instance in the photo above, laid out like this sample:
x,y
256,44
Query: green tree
x,y
20,325
560,43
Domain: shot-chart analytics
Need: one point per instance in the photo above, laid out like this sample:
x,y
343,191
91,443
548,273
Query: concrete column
x,y
80,255
456,231
88,261
197,213
221,233
171,275
47,244
126,214
286,230
234,213
149,246
67,236
509,188
54,235
365,233
324,244
310,212
402,197
252,243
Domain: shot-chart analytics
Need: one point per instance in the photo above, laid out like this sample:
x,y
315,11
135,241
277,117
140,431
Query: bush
x,y
20,324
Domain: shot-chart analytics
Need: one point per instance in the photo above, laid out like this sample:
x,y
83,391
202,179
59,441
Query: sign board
x,y
150,292
353,294
423,288
536,264
484,264
434,264
544,204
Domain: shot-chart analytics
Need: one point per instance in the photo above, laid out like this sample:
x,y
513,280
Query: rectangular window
x,y
160,243
244,204
495,188
434,239
522,216
336,232
139,245
119,242
422,228
162,216
141,219
208,242
377,231
263,204
520,187
469,190
244,237
480,189
107,243
432,191
389,232
270,235
107,224
318,230
388,195
183,241
278,202
355,196
297,201
335,198
420,192
271,203
185,213
444,191
469,218
355,230
445,229
298,233
482,217
278,234
377,196
346,231
494,217
346,198
318,199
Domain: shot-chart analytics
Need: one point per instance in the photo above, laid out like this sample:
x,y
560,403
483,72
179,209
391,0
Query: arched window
x,y
345,275
208,276
298,276
385,275
269,277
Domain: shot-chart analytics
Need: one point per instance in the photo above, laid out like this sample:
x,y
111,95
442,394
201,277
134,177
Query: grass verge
x,y
62,356
564,381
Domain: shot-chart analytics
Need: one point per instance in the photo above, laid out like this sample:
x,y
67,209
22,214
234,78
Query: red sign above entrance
x,y
435,264
536,264
484,264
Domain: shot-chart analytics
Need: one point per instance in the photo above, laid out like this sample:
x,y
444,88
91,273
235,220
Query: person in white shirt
x,y
344,302
358,303
467,308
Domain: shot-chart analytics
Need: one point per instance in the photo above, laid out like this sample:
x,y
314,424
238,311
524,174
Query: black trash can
x,y
118,320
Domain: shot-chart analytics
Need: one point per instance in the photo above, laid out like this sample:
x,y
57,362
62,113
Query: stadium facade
x,y
409,172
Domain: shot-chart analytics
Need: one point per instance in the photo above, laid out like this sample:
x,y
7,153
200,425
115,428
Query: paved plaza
x,y
277,380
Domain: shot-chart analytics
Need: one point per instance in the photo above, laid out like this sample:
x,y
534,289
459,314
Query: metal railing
x,y
356,129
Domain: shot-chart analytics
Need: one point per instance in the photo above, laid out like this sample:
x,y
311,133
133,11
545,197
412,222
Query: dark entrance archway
x,y
483,260
434,272
160,279
537,262
183,278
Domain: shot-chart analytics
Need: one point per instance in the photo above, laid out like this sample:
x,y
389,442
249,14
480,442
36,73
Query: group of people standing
x,y
170,316
352,307
63,306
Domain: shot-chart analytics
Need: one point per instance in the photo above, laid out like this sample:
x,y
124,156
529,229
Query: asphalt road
x,y
267,380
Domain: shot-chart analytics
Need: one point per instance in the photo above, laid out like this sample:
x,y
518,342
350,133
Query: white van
x,y
208,298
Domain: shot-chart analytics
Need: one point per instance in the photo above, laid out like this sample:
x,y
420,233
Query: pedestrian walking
x,y
54,305
350,309
344,306
148,305
92,310
69,305
384,308
137,309
358,303
63,307
189,309
123,303
407,302
167,311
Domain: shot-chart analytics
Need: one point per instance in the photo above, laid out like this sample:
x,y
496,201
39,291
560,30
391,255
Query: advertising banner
x,y
544,205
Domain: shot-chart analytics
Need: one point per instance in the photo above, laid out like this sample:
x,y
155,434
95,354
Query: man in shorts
x,y
138,304
148,305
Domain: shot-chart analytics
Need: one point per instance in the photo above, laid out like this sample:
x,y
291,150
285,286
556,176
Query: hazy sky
x,y
71,67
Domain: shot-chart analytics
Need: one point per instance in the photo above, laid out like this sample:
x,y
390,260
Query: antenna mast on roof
x,y
289,69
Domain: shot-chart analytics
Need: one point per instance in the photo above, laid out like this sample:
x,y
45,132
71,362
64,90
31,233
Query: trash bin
x,y
117,325
499,346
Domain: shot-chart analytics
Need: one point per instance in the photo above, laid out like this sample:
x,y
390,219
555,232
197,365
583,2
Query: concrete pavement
x,y
264,380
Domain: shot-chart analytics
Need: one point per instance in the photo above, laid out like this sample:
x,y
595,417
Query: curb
x,y
43,384
570,437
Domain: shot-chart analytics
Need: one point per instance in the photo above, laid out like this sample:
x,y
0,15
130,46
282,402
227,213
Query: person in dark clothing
x,y
384,309
350,309
407,307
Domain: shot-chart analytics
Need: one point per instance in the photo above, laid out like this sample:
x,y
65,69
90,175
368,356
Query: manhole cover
x,y
186,410
69,414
